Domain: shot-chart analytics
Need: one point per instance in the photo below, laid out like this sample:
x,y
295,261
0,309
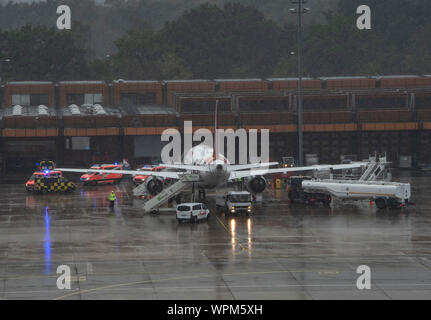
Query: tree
x,y
39,53
235,41
145,55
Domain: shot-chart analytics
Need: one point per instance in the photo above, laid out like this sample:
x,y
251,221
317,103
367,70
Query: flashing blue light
x,y
37,163
46,172
116,163
47,242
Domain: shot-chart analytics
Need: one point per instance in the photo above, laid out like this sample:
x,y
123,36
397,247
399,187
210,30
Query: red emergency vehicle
x,y
95,178
29,185
140,178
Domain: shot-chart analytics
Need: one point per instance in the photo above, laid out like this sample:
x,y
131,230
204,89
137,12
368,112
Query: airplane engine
x,y
154,185
256,184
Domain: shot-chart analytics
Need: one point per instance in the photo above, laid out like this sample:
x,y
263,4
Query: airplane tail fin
x,y
216,124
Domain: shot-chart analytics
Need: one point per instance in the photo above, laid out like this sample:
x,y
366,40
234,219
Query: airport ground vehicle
x,y
140,178
296,193
29,185
53,184
288,162
234,201
385,194
192,212
94,178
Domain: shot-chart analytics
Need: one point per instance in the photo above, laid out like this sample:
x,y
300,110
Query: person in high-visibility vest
x,y
112,198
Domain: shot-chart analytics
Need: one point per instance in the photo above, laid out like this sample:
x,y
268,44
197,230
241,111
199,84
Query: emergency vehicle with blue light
x,y
95,178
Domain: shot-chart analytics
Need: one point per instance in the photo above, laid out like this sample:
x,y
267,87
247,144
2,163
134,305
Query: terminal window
x,y
74,98
313,103
30,99
389,101
39,99
423,101
199,106
127,99
264,105
84,98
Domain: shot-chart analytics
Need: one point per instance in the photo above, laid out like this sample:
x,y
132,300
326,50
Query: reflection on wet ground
x,y
282,251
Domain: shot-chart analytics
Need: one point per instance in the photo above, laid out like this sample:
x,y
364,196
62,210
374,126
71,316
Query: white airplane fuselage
x,y
217,176
218,173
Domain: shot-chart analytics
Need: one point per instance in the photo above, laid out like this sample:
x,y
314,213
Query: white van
x,y
192,212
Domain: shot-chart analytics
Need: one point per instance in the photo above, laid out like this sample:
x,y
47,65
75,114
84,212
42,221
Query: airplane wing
x,y
251,166
261,172
186,167
162,174
231,167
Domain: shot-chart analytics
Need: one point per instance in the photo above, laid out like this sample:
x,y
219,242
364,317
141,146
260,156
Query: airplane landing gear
x,y
202,195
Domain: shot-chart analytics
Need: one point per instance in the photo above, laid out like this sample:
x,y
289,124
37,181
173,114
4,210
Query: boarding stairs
x,y
140,190
374,169
154,203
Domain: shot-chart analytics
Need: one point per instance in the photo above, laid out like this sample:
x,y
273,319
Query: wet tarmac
x,y
282,251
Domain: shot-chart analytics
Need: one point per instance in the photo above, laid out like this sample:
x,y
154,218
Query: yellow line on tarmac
x,y
230,232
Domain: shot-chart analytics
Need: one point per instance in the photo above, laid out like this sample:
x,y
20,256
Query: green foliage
x,y
39,53
235,41
224,39
146,55
397,43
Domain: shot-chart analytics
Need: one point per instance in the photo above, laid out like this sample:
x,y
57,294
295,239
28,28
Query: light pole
x,y
300,11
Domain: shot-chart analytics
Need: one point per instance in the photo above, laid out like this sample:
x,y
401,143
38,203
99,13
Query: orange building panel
x,y
384,116
352,83
90,132
327,117
339,127
138,87
30,88
274,128
30,133
238,85
292,84
405,82
389,126
8,132
173,87
208,119
247,118
144,131
83,88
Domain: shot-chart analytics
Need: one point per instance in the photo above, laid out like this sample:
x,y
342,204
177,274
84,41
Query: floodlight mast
x,y
300,11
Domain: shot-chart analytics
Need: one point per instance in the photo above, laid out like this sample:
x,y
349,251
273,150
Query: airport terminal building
x,y
83,122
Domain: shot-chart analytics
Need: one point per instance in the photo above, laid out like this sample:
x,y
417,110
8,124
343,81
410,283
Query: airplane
x,y
215,171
